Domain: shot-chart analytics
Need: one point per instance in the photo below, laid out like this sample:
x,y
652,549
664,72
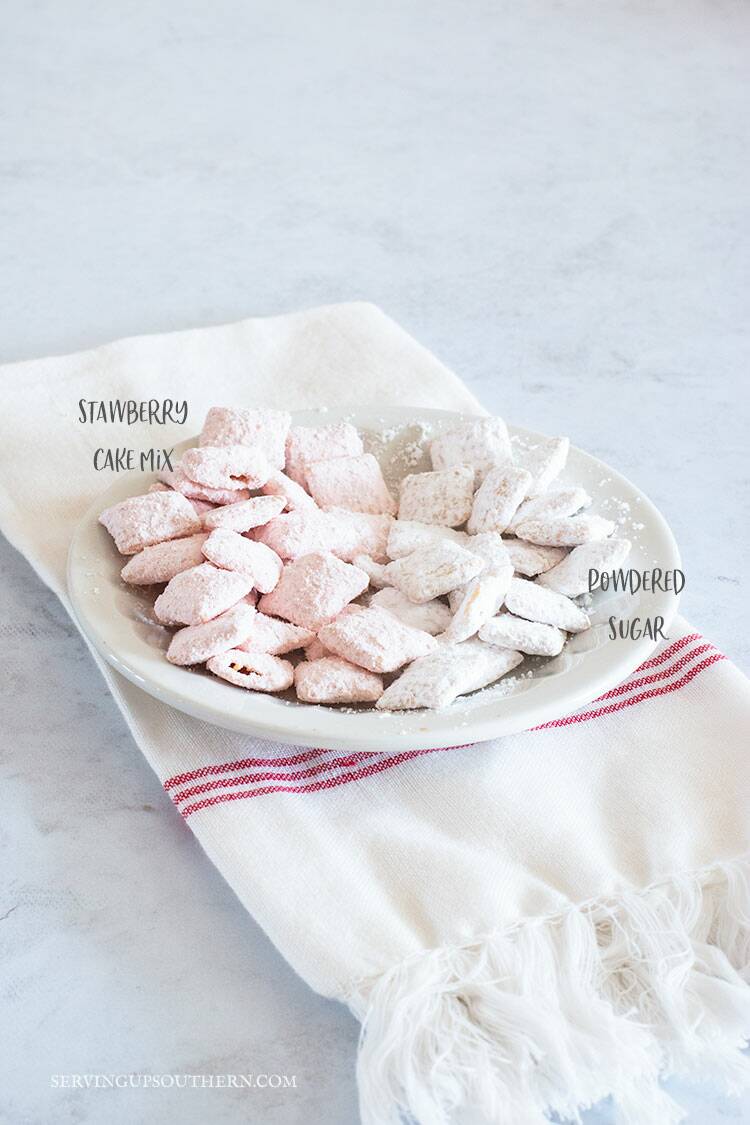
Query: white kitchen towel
x,y
523,926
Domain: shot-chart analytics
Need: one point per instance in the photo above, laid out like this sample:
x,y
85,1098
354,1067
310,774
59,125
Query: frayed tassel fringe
x,y
557,1013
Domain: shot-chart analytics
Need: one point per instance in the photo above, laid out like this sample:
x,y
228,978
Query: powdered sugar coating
x,y
292,493
308,444
262,429
141,521
565,531
316,651
497,499
442,498
256,671
481,443
482,598
437,679
313,589
571,576
163,561
545,460
407,536
530,637
270,634
490,547
531,601
354,483
551,505
431,617
343,533
530,559
227,466
197,643
332,680
199,594
432,571
375,571
375,639
246,515
180,482
232,551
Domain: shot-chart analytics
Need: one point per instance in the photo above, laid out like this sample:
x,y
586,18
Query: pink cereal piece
x,y
262,429
437,679
431,617
142,521
271,635
565,531
162,561
313,589
177,480
293,494
199,594
158,486
232,551
498,498
375,639
442,498
316,651
195,644
226,466
354,483
375,571
306,444
256,671
202,508
481,443
331,680
344,534
246,515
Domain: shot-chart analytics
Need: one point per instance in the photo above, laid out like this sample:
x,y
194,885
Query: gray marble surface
x,y
552,196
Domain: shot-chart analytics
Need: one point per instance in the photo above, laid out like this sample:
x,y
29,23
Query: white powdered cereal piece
x,y
550,505
534,603
482,598
431,617
432,571
354,483
332,680
195,644
407,536
498,498
307,444
180,482
200,594
442,498
313,590
571,576
374,639
375,571
531,637
261,429
246,515
437,679
316,651
270,634
141,521
529,559
343,533
163,561
232,551
490,546
226,466
292,493
481,443
545,461
565,531
256,671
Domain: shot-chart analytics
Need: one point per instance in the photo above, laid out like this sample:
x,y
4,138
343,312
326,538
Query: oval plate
x,y
119,622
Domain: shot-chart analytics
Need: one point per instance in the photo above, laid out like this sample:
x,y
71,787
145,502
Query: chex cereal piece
x,y
141,521
442,498
202,507
550,505
162,561
490,546
261,429
375,639
332,680
270,634
565,531
375,571
531,637
482,598
199,594
571,576
533,602
437,679
407,536
481,443
180,482
292,493
432,571
313,589
226,466
158,486
343,533
431,617
545,460
498,498
306,444
354,483
530,559
195,644
246,515
232,551
256,671
316,651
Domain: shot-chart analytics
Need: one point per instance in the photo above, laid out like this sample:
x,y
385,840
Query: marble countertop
x,y
552,197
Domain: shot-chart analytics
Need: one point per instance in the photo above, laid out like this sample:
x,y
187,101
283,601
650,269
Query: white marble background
x,y
552,195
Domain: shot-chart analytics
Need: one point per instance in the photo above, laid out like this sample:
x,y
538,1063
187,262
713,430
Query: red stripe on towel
x,y
665,673
247,763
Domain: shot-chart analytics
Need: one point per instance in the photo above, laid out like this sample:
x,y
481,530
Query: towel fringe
x,y
557,1013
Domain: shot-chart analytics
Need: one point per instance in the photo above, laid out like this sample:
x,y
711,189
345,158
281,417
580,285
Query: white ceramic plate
x,y
118,620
